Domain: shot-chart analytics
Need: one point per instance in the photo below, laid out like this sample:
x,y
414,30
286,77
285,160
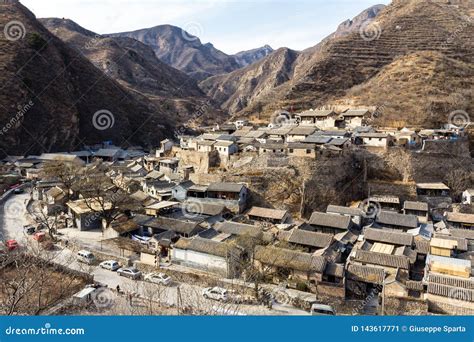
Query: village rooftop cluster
x,y
160,209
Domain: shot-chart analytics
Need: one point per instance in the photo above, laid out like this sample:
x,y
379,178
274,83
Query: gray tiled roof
x,y
392,218
368,274
309,238
412,205
225,187
202,245
330,220
336,209
286,258
382,259
386,236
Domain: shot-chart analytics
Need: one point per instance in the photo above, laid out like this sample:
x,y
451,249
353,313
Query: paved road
x,y
13,216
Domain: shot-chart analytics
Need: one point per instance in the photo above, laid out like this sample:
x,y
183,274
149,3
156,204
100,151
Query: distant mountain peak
x,y
245,58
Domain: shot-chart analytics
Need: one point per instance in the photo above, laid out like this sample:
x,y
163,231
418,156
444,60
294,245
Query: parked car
x,y
39,236
18,191
111,265
11,244
158,278
322,310
216,293
129,272
85,256
30,230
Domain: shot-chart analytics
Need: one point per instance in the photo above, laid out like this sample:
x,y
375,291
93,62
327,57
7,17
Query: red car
x,y
39,236
12,245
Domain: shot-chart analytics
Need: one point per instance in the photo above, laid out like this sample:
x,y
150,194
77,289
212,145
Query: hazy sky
x,y
231,25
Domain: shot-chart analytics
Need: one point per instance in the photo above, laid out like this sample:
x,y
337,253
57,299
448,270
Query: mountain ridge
x,y
326,72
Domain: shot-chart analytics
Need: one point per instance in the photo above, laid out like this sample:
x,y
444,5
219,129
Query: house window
x,y
308,151
291,150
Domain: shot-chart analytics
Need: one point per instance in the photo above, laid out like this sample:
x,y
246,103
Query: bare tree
x,y
33,282
459,180
104,198
68,174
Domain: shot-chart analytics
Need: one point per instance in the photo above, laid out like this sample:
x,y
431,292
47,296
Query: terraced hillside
x,y
326,74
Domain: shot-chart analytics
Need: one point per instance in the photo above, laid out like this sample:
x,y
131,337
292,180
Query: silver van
x,y
322,310
85,257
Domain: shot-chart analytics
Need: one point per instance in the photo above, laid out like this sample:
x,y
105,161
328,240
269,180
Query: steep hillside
x,y
135,66
422,85
129,61
245,58
184,51
245,87
324,74
50,93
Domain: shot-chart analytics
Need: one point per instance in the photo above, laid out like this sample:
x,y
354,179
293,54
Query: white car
x,y
216,293
158,278
129,272
110,265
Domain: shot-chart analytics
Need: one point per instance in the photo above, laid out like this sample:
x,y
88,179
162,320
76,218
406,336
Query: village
x,y
170,215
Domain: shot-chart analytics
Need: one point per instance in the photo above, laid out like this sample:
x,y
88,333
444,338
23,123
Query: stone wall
x,y
405,306
331,291
447,306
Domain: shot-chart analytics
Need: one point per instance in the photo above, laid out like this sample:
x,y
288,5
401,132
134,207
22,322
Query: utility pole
x,y
178,299
303,191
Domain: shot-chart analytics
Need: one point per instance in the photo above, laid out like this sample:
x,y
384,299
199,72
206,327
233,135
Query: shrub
x,y
300,286
35,41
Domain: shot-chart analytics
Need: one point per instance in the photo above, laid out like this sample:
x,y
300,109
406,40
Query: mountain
x,y
135,66
245,87
245,58
358,59
52,98
183,51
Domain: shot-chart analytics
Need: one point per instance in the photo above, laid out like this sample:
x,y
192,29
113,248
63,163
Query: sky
x,y
230,25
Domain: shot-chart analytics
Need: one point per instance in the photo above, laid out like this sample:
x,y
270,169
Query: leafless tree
x,y
459,180
104,198
33,282
68,174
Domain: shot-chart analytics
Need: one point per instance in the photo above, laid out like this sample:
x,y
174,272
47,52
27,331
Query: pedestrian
x,y
118,288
